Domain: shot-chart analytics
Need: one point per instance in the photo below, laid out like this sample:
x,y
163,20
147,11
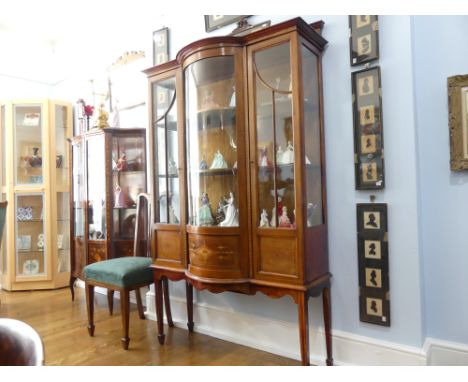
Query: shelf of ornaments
x,y
216,172
218,117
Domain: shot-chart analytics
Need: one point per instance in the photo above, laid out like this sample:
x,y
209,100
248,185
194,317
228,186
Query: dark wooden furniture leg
x,y
110,301
167,302
90,306
141,312
125,311
303,315
72,287
159,309
189,298
327,323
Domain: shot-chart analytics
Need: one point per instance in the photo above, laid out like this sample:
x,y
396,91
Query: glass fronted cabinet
x,y
35,181
108,172
250,200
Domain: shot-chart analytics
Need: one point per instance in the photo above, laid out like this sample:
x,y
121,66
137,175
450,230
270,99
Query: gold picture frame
x,y
458,121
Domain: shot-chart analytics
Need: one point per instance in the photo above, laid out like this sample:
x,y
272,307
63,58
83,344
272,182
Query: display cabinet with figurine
x,y
108,172
35,182
244,122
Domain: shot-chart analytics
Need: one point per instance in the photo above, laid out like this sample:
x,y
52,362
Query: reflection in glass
x,y
96,188
212,142
78,189
30,236
166,169
275,140
63,232
28,144
61,149
310,85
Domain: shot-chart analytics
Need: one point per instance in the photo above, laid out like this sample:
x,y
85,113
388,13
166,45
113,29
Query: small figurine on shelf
x,y
264,219
122,163
208,101
284,219
172,216
288,154
172,167
102,117
232,217
220,215
307,160
119,197
279,156
203,164
205,218
264,161
310,212
218,161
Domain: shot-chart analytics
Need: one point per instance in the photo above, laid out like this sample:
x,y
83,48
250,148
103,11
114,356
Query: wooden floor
x,y
61,324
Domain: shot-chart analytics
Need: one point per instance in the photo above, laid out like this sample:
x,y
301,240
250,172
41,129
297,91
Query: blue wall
x,y
440,51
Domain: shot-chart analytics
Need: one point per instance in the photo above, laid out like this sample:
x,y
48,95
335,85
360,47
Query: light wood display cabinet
x,y
35,182
108,173
238,169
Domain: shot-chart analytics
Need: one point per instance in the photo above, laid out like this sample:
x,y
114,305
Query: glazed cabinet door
x,y
275,160
168,199
216,167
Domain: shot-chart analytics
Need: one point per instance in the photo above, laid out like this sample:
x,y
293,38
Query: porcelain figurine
x,y
203,164
279,156
218,161
288,154
220,214
232,217
205,218
172,216
122,163
119,197
264,219
284,219
103,117
264,162
172,167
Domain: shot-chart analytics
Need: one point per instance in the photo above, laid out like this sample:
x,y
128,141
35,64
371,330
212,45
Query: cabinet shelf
x,y
30,221
124,208
168,176
130,172
216,172
25,251
216,118
171,126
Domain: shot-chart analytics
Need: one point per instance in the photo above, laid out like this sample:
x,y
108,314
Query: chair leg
x,y
90,308
110,301
141,313
167,302
125,310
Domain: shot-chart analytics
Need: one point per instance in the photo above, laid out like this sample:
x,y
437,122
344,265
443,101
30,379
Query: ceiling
x,y
49,40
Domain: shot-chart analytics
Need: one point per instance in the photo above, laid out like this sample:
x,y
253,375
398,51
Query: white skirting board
x,y
282,338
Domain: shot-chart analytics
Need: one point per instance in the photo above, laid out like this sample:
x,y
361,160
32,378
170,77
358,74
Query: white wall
x,y
18,88
440,52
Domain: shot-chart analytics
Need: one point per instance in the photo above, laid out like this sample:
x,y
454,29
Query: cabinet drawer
x,y
277,256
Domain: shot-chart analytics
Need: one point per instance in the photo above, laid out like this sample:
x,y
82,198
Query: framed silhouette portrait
x,y
368,129
160,46
363,39
374,285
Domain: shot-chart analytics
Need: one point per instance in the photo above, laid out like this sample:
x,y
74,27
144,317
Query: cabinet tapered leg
x,y
167,302
125,311
327,323
189,298
303,315
159,309
141,313
110,301
90,308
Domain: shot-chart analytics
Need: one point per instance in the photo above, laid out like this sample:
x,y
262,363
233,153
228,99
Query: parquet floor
x,y
61,324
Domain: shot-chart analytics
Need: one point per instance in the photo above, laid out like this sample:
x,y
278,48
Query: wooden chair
x,y
126,273
20,344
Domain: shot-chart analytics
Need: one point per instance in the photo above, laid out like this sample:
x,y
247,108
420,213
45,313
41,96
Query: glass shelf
x,y
217,172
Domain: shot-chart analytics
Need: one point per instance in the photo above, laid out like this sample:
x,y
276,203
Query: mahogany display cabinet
x,y
238,169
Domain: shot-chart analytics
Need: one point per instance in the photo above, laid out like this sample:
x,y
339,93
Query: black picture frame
x,y
368,129
363,39
213,22
160,46
373,269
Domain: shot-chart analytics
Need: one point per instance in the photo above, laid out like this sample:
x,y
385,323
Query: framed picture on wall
x,y
160,46
374,284
213,22
458,121
363,38
368,129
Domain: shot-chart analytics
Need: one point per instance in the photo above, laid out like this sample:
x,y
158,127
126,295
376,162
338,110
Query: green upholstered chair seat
x,y
124,272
